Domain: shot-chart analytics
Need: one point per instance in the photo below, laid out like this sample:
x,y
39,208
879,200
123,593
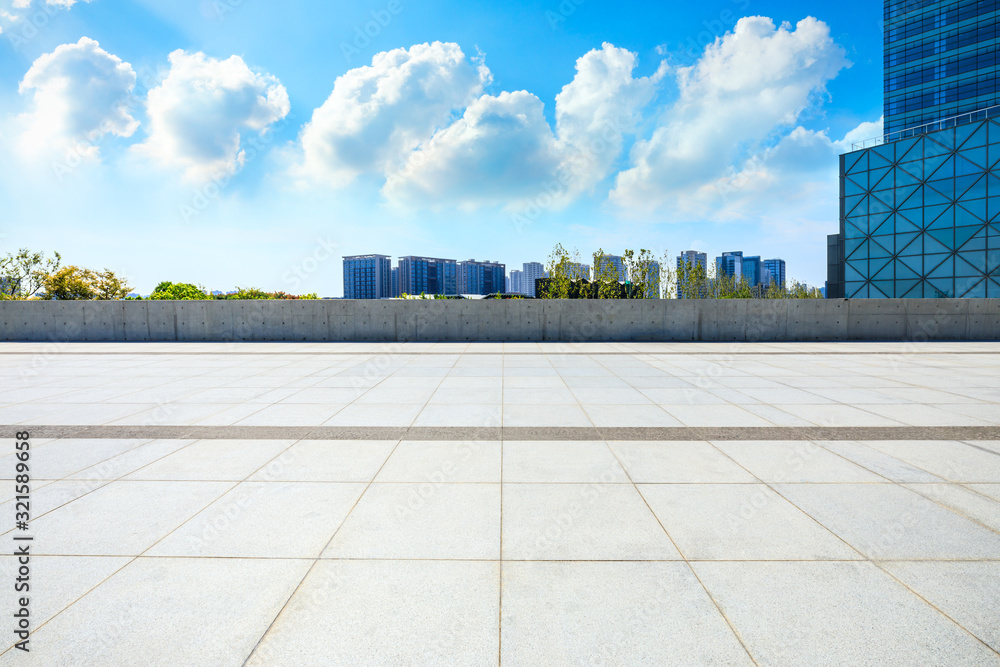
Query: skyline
x,y
470,174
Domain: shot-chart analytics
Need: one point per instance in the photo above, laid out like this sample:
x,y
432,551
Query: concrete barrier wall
x,y
493,320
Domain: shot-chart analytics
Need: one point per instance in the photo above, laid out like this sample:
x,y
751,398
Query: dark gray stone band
x,y
461,433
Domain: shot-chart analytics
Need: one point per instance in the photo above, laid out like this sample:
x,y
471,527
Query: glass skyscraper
x,y
920,209
940,60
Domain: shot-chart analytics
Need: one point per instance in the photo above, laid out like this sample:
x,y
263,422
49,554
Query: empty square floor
x,y
517,504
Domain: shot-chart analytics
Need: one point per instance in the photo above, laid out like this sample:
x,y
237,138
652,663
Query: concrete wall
x,y
492,320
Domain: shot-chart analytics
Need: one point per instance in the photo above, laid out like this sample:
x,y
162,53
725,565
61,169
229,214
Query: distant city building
x,y
517,285
367,277
730,264
395,282
776,272
532,272
688,260
621,275
579,271
481,277
428,275
753,271
653,280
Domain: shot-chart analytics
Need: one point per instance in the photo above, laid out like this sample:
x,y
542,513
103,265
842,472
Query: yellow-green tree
x,y
110,287
606,278
71,283
560,268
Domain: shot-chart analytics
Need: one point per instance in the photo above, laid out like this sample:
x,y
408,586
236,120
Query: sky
x,y
244,143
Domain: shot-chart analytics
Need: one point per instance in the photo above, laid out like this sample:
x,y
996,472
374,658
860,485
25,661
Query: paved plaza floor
x,y
517,504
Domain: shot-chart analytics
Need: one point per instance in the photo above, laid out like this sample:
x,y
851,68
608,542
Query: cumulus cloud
x,y
377,114
749,86
500,150
791,184
381,120
80,93
24,18
599,108
198,113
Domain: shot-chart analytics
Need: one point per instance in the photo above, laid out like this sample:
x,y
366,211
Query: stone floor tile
x,y
169,611
795,462
586,613
230,460
678,463
389,613
890,522
967,592
427,521
740,522
443,462
580,522
265,520
327,461
133,516
561,462
830,613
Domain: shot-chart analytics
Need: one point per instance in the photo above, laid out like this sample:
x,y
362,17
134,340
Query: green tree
x,y
561,269
71,283
109,287
644,277
23,274
606,279
167,291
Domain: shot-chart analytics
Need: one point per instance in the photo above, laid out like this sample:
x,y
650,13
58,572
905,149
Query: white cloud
x,y
377,114
790,187
503,152
197,114
749,87
599,107
81,93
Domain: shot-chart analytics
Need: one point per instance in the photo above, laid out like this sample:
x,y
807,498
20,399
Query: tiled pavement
x,y
494,503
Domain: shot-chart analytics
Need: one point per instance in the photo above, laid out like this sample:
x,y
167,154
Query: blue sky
x,y
252,143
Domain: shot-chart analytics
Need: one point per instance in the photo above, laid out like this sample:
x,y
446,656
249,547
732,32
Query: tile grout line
x,y
906,485
124,565
318,558
131,559
327,545
874,562
722,613
782,496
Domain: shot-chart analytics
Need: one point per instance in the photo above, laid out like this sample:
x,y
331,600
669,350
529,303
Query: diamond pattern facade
x,y
920,217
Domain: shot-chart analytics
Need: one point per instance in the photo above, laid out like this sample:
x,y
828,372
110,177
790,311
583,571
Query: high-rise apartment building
x,y
919,208
686,261
395,282
775,269
481,277
428,275
517,285
651,281
616,264
941,60
532,272
577,271
367,277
